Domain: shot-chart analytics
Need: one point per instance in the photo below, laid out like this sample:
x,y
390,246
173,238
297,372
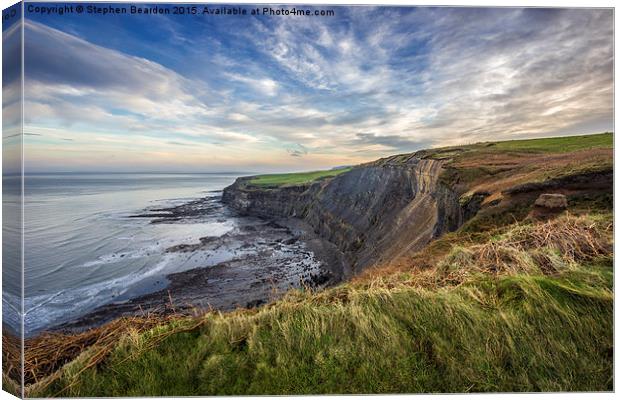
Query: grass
x,y
300,178
466,330
517,333
560,144
564,144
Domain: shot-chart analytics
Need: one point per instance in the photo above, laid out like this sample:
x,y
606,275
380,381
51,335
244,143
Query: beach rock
x,y
552,201
255,303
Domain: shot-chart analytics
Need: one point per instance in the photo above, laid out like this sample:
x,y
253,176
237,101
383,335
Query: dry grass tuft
x,y
47,353
11,356
529,246
541,248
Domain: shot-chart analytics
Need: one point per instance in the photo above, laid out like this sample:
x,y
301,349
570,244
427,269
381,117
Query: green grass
x,y
518,333
299,178
558,144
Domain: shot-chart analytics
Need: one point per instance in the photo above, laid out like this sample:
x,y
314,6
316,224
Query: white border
x,y
479,3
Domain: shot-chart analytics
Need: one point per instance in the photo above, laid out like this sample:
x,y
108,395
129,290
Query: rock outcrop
x,y
372,214
548,205
552,201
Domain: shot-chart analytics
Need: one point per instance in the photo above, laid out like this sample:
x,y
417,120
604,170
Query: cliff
x,y
378,212
372,213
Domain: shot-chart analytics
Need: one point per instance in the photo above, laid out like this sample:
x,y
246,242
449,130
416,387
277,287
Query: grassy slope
x,y
518,333
496,166
558,144
300,178
507,306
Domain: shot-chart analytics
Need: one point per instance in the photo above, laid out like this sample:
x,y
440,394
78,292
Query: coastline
x,y
280,255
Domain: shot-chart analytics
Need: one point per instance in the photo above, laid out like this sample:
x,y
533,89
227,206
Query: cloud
x,y
71,81
299,151
477,73
11,53
265,86
525,73
56,58
390,142
11,79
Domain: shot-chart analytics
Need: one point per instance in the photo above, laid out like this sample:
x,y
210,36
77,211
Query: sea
x,y
83,248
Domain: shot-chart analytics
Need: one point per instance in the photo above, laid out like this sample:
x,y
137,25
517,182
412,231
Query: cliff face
x,y
372,213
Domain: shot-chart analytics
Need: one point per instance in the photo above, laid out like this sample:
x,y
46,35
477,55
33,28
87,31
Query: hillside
x,y
454,280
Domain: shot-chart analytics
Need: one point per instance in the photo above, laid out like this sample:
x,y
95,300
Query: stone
x,y
552,201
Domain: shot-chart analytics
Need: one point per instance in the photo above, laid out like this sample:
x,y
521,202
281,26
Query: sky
x,y
180,93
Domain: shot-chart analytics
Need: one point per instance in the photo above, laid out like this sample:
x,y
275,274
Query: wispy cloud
x,y
298,151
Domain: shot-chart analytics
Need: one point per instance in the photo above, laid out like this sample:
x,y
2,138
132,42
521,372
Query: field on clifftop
x,y
516,299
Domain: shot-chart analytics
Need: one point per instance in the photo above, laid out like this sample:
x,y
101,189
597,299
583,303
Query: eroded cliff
x,y
372,213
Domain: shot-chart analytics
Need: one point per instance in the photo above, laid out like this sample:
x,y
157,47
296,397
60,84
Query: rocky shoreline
x,y
272,256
